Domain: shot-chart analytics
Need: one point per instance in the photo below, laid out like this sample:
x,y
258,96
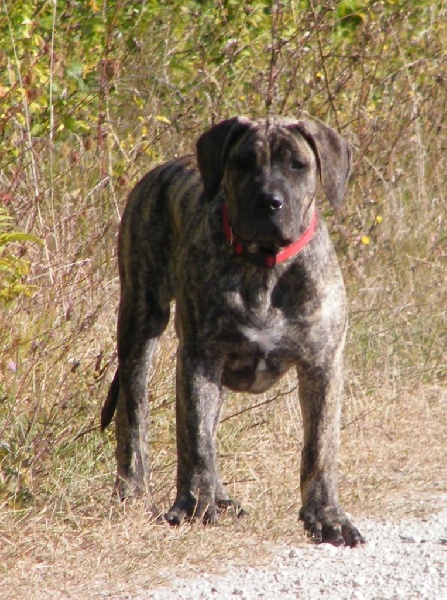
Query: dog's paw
x,y
174,517
231,505
330,525
131,488
206,508
188,509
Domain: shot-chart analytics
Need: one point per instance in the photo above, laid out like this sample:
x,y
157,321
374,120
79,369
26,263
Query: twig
x,y
268,401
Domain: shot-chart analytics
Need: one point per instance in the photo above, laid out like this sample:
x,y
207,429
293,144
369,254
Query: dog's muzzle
x,y
261,257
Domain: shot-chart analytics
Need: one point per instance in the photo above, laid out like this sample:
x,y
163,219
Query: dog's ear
x,y
212,150
333,155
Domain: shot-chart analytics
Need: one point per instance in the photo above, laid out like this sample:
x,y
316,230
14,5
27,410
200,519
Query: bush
x,y
13,268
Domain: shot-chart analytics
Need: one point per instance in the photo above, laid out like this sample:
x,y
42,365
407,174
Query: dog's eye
x,y
297,165
245,161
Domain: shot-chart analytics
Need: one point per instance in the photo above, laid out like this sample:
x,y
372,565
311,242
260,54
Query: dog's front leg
x,y
321,396
197,409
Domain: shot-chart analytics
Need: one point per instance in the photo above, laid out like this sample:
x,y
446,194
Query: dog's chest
x,y
256,343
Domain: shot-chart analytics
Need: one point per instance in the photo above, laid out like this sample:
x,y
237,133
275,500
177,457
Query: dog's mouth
x,y
266,251
266,247
259,240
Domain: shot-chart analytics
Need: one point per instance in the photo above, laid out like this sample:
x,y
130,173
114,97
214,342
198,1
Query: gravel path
x,y
401,560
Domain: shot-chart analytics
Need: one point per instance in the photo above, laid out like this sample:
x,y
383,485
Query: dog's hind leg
x,y
144,247
140,324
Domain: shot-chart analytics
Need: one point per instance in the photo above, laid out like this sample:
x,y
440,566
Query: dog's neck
x,y
261,257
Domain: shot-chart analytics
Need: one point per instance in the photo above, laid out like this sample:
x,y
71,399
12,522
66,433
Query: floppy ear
x,y
212,149
333,155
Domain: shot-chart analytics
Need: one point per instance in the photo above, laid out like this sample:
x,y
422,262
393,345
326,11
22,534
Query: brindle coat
x,y
240,325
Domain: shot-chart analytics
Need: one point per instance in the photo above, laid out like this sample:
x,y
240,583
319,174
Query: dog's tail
x,y
109,407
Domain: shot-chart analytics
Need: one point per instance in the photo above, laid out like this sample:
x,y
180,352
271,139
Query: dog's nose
x,y
272,202
276,202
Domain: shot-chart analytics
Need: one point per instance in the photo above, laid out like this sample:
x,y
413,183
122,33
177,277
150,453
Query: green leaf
x,y
75,70
16,236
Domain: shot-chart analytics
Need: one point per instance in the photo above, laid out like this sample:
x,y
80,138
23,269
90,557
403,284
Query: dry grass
x,y
94,546
62,535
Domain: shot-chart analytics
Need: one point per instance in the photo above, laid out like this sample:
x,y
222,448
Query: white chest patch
x,y
262,366
266,338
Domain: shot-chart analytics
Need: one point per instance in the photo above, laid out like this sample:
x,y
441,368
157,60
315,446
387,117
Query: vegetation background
x,y
92,94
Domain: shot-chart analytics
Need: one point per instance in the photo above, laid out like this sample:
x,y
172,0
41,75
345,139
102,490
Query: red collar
x,y
261,257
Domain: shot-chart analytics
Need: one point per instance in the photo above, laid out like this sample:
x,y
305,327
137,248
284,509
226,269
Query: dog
x,y
234,236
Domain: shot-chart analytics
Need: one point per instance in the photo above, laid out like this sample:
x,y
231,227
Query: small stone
x,y
407,539
359,581
329,549
430,570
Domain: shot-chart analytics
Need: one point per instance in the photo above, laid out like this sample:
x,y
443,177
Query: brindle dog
x,y
235,239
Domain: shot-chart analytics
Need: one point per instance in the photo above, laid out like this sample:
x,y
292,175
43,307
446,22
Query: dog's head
x,y
269,170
